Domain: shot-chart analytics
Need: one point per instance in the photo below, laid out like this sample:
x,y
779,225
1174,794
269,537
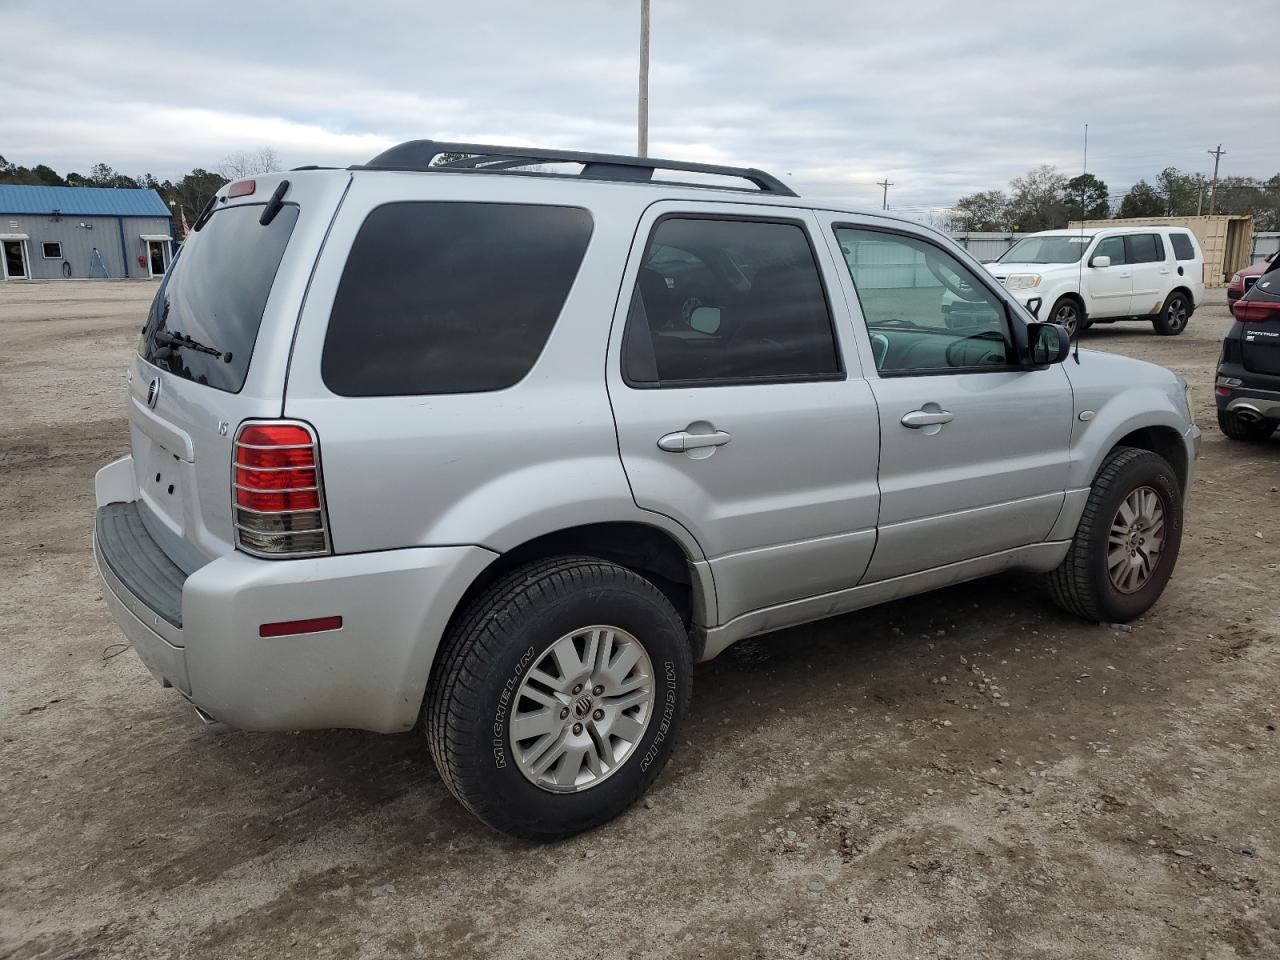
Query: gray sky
x,y
942,98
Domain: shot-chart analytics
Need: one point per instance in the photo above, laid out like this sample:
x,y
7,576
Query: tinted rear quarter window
x,y
439,297
1183,248
1144,248
215,292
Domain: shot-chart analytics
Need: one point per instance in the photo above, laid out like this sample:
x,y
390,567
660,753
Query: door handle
x,y
926,418
682,441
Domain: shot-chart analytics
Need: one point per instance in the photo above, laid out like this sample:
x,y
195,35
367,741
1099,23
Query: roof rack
x,y
417,155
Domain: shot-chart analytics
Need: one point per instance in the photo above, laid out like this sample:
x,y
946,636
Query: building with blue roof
x,y
56,233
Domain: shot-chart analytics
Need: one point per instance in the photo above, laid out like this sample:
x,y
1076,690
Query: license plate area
x,y
163,480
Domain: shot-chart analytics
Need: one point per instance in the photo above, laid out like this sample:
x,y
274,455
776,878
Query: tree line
x,y
1046,199
186,195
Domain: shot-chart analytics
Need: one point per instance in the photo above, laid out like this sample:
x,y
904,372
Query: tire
x,y
1082,584
499,650
1066,311
1238,429
1173,316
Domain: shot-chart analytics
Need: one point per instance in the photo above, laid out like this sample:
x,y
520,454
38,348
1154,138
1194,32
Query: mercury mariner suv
x,y
496,443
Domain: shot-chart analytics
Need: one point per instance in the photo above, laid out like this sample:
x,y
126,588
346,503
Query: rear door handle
x,y
926,418
682,440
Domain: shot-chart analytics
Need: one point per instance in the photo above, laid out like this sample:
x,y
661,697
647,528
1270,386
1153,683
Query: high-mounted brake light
x,y
242,188
276,489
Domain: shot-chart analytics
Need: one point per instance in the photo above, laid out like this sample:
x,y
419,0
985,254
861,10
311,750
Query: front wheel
x,y
1173,316
1127,542
558,695
1067,313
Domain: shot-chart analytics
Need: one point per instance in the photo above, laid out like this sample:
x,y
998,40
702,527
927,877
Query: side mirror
x,y
1101,260
1047,343
705,319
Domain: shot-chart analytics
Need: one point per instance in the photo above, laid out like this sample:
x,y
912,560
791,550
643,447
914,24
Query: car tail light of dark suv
x,y
1256,311
277,492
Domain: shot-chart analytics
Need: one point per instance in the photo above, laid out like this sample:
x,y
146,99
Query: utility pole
x,y
886,183
1213,190
642,146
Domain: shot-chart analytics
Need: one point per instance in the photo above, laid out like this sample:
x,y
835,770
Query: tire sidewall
x,y
1165,322
506,798
1151,471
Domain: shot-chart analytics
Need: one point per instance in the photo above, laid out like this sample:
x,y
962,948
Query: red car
x,y
1246,278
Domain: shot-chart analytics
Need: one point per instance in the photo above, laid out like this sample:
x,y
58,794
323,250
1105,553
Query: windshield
x,y
205,317
1046,250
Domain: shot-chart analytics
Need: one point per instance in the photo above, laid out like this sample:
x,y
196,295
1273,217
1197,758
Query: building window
x,y
51,250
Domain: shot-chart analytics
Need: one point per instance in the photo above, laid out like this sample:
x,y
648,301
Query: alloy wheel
x,y
1135,540
1068,316
1176,313
582,709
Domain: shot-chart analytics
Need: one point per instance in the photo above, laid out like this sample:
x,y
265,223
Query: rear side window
x,y
441,297
719,302
205,317
1144,248
1183,248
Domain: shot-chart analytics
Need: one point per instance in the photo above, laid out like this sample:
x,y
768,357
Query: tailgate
x,y
1260,345
215,352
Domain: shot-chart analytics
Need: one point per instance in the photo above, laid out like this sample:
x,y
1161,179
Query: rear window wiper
x,y
176,338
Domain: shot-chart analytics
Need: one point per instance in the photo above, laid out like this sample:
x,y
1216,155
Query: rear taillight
x,y
1256,311
275,485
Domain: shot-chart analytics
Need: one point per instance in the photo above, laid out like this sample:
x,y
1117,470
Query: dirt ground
x,y
972,774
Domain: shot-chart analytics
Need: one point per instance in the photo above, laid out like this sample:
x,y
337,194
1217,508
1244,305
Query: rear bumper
x,y
370,674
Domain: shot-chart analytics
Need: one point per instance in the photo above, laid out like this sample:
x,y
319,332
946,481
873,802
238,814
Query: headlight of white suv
x,y
1022,281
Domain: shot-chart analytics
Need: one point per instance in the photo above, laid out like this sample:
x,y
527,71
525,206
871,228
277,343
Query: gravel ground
x,y
971,775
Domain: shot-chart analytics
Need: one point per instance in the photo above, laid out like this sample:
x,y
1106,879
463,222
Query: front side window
x,y
440,297
728,301
51,250
1112,247
1183,248
925,311
1144,248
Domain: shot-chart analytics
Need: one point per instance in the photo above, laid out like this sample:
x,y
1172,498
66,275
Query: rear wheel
x,y
558,695
1173,316
1066,312
1249,431
1127,542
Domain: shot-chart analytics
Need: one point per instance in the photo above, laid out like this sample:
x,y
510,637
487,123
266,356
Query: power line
x,y
886,183
1213,189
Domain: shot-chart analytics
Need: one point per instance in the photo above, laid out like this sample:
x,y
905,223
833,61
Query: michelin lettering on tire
x,y
504,703
668,713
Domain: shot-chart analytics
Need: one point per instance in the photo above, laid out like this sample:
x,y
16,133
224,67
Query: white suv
x,y
1076,278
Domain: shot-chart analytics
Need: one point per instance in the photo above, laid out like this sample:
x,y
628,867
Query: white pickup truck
x,y
1102,275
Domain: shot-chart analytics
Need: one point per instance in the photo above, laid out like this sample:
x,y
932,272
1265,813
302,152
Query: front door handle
x,y
926,418
683,441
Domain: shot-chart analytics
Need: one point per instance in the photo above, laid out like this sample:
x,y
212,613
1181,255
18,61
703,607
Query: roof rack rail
x,y
417,155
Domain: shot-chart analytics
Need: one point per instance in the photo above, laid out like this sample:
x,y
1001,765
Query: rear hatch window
x,y
204,321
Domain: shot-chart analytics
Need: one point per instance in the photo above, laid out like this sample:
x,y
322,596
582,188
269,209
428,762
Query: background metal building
x,y
55,233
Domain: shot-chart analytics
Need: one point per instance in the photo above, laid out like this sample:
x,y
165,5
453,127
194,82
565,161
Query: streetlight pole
x,y
642,146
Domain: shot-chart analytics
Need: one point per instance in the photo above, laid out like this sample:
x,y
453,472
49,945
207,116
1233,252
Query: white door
x,y
1109,289
1151,272
15,259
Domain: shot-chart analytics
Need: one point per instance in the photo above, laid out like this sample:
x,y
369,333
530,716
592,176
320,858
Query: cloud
x,y
941,98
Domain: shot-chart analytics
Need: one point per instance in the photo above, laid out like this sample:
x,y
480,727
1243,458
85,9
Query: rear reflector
x,y
242,188
290,628
1222,391
276,489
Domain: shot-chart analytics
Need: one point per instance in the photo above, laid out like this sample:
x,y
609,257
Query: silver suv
x,y
502,441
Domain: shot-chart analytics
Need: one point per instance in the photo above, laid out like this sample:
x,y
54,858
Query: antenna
x,y
1084,168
